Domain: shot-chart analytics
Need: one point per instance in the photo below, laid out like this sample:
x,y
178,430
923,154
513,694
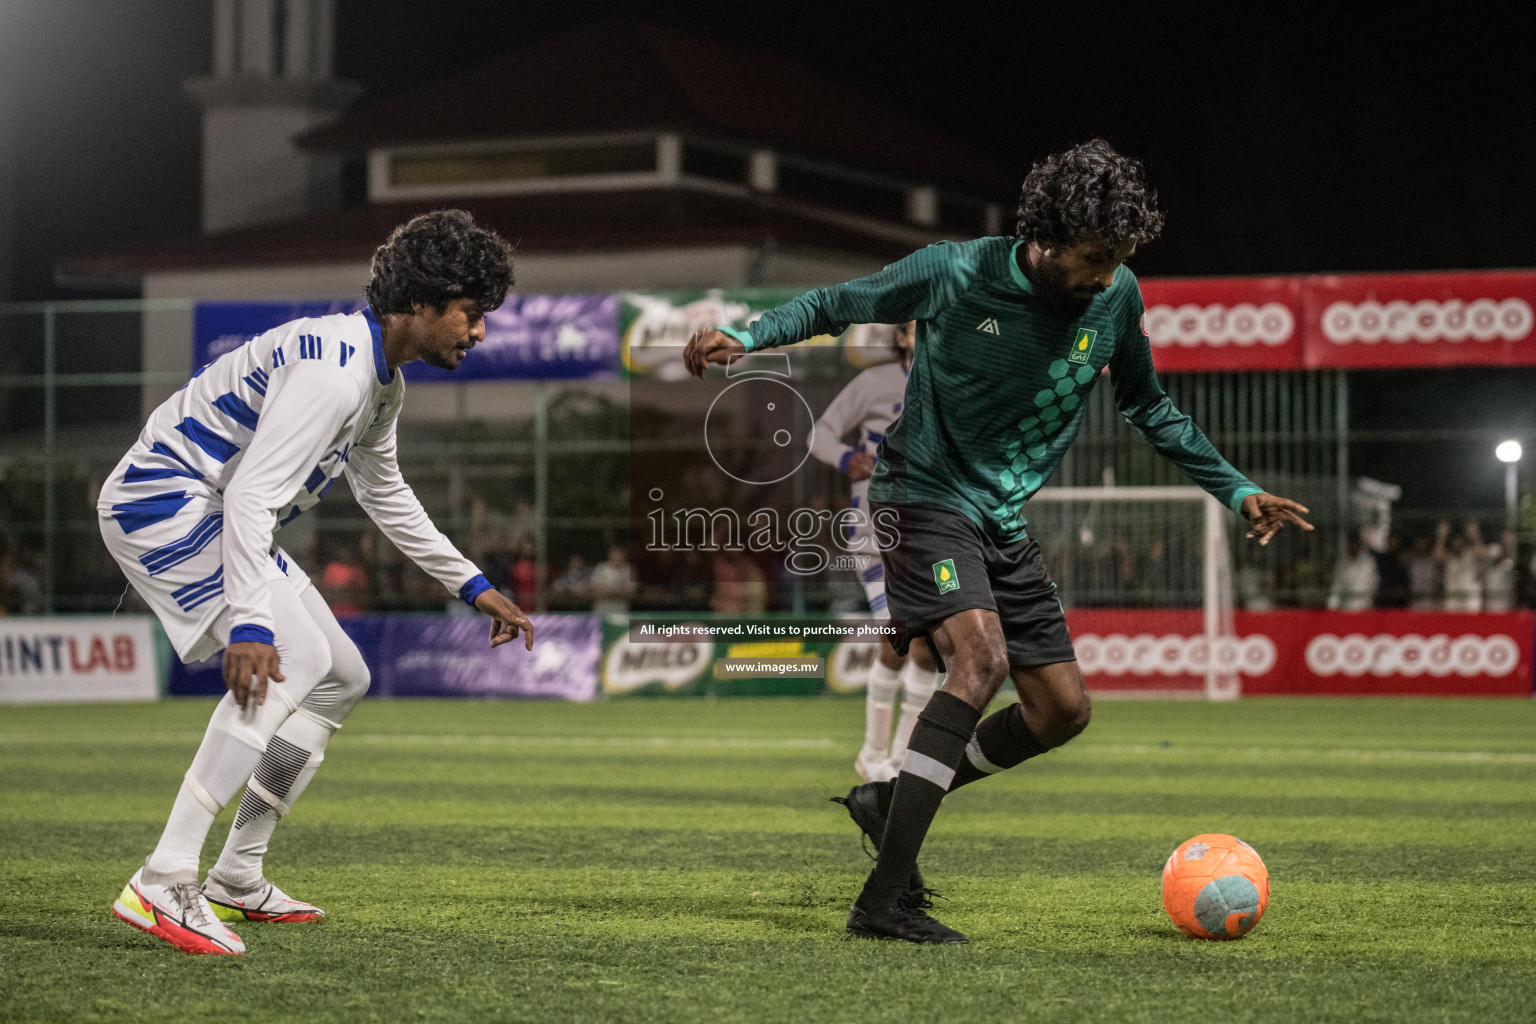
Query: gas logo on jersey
x,y
944,575
1082,348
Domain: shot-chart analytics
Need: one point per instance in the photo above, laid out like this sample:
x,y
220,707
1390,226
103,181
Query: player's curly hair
x,y
437,257
1088,192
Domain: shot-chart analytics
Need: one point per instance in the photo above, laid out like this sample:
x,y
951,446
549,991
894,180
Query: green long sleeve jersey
x,y
997,386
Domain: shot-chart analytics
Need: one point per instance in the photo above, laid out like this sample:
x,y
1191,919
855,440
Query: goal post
x,y
1145,574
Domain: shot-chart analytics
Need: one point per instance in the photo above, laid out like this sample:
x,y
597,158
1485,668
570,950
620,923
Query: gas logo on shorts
x,y
1082,348
944,575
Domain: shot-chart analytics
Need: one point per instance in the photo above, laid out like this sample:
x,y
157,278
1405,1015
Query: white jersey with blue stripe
x,y
868,405
253,440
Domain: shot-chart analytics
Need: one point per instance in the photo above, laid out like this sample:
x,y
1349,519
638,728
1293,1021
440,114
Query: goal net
x,y
1145,576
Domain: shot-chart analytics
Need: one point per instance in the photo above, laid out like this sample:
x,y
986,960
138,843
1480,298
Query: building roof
x,y
621,75
540,222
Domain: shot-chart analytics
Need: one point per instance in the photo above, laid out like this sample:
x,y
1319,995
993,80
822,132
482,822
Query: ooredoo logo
x,y
1427,320
1146,655
1243,324
1412,655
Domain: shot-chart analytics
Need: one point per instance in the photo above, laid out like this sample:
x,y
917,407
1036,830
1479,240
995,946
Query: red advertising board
x,y
1351,321
1401,320
1231,323
1311,652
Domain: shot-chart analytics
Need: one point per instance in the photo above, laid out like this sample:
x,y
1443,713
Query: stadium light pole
x,y
1509,453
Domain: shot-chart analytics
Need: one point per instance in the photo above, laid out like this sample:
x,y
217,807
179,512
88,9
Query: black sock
x,y
936,747
1002,741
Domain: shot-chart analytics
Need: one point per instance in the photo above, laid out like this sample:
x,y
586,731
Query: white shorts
x,y
177,566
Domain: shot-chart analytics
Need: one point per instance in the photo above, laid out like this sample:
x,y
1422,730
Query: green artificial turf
x,y
679,861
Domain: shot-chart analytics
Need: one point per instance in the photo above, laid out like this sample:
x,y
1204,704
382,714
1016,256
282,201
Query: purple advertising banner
x,y
540,337
530,337
447,656
431,655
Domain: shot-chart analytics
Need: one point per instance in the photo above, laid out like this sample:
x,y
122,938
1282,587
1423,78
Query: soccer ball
x,y
1215,887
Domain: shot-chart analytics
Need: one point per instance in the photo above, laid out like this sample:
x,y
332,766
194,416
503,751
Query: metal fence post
x,y
541,491
1341,429
50,456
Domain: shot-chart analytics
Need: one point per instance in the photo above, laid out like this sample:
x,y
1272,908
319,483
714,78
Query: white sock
x,y
222,765
879,705
917,685
289,762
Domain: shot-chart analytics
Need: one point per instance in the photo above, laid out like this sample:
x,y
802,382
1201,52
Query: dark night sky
x,y
1353,141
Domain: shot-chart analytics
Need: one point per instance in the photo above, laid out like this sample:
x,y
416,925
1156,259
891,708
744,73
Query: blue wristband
x,y
248,634
476,586
842,463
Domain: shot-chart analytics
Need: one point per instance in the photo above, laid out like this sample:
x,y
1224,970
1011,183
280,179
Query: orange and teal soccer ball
x,y
1215,887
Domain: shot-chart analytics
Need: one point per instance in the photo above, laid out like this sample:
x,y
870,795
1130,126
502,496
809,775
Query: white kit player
x,y
253,440
868,405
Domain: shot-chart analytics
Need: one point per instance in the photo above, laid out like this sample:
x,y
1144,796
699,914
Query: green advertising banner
x,y
654,327
689,668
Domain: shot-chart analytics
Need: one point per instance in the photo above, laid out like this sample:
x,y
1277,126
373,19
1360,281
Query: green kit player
x,y
1012,335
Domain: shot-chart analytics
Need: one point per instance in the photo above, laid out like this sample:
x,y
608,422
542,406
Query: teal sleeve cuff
x,y
1241,493
745,337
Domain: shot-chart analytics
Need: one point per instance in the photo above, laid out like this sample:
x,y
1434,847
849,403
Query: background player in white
x,y
254,439
868,405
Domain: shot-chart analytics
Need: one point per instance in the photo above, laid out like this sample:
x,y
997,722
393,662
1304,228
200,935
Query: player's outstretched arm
x,y
507,619
710,346
1267,514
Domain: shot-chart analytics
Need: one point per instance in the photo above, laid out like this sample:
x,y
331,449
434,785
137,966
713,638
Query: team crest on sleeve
x,y
1082,347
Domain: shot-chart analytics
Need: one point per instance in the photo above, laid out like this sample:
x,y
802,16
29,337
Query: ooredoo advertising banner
x,y
1401,320
96,658
1310,652
1237,323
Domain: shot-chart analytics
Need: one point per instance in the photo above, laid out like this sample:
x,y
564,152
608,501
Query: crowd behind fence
x,y
540,496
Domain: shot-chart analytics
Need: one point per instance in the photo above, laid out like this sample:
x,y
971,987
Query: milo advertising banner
x,y
654,327
733,662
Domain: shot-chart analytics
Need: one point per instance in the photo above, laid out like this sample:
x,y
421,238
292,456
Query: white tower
x,y
271,81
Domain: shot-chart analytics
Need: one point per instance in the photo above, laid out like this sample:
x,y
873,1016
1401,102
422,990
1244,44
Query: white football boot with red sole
x,y
265,903
177,913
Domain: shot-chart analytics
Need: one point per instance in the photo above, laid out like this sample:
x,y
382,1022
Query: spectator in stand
x,y
344,582
1423,574
573,590
1500,575
20,593
1354,579
524,574
1462,559
613,583
740,586
1393,585
490,544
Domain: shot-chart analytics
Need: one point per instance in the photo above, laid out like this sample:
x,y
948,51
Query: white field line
x,y
1179,751
1317,753
469,740
658,742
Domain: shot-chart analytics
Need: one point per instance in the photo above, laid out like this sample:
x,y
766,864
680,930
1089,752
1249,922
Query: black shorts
x,y
943,563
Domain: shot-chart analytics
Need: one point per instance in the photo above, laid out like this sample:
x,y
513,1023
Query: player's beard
x,y
1055,294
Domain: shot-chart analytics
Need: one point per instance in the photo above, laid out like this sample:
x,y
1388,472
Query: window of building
x,y
407,170
705,161
848,194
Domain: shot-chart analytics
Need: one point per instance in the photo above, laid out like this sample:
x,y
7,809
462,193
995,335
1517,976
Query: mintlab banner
x,y
75,660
